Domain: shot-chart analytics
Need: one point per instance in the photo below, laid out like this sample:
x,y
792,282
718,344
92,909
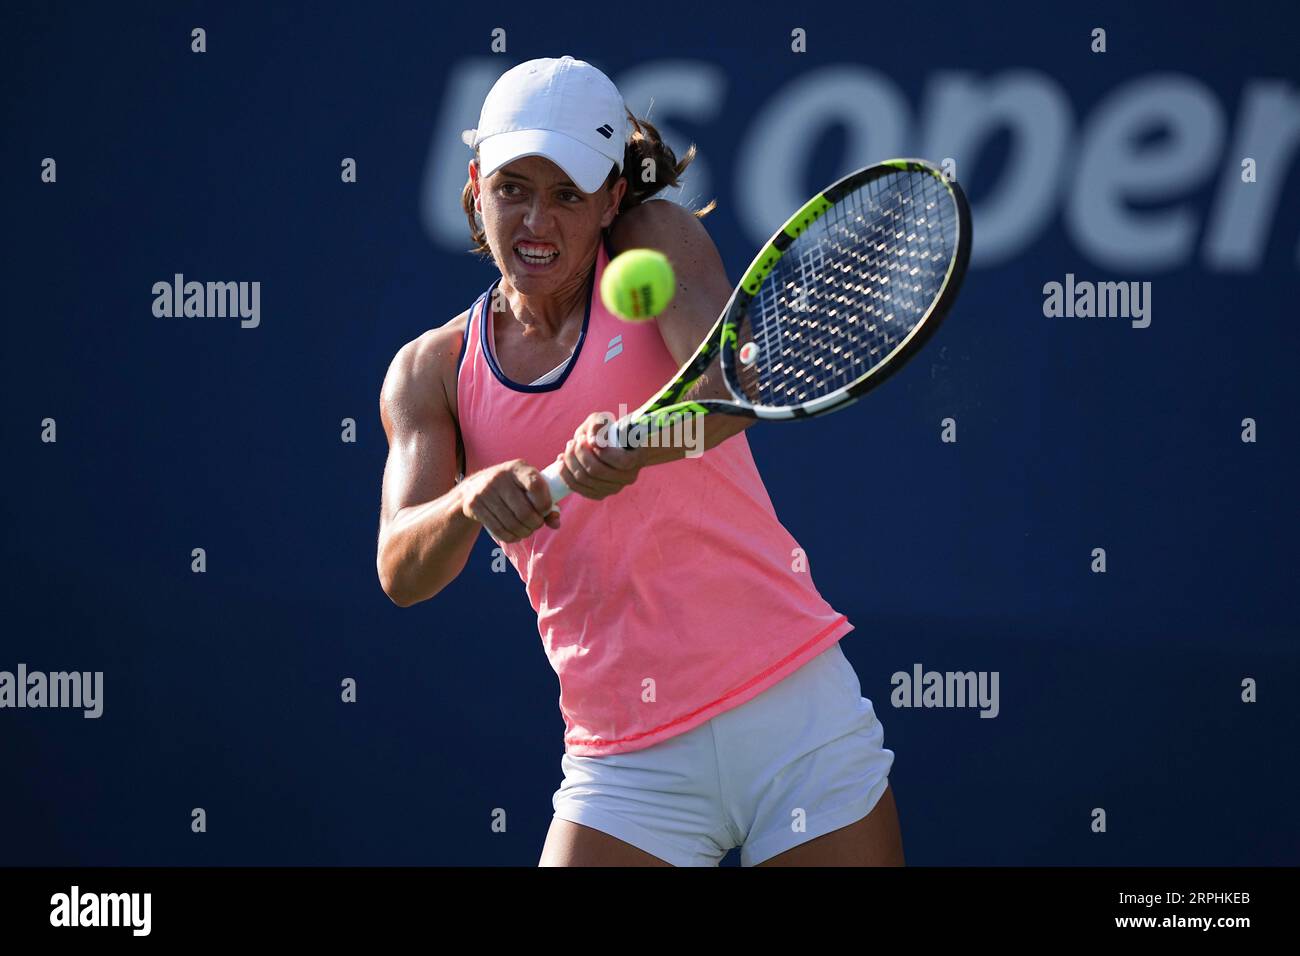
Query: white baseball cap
x,y
563,109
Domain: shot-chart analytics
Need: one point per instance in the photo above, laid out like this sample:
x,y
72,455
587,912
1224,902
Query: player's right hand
x,y
511,500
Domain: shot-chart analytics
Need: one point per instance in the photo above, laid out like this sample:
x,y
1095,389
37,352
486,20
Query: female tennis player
x,y
707,703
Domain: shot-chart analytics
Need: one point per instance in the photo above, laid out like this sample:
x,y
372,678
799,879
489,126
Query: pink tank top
x,y
667,603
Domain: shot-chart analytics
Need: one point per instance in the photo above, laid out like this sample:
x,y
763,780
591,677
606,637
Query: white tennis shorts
x,y
802,759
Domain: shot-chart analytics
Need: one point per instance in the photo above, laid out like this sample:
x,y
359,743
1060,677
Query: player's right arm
x,y
428,521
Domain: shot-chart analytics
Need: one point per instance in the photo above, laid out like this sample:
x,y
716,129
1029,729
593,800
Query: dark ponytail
x,y
649,165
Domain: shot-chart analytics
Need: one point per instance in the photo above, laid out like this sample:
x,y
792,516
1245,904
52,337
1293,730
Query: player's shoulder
x,y
426,366
654,223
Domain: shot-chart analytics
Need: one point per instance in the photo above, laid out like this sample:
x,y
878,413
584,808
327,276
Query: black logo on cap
x,y
606,131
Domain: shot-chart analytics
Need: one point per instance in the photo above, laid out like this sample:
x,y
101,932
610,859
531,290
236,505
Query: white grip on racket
x,y
553,481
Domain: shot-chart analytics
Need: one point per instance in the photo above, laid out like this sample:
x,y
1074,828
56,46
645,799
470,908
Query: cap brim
x,y
582,164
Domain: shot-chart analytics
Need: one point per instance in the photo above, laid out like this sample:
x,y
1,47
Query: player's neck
x,y
546,316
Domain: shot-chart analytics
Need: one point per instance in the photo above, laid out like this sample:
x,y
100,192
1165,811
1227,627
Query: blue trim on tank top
x,y
464,339
577,349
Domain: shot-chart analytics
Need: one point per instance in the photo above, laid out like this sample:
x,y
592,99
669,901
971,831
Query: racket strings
x,y
849,291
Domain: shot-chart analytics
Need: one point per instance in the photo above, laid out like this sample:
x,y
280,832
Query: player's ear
x,y
475,184
616,193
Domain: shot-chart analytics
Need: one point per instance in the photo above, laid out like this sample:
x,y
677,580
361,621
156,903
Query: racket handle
x,y
553,481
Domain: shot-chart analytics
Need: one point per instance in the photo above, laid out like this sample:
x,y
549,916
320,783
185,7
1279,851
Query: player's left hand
x,y
593,468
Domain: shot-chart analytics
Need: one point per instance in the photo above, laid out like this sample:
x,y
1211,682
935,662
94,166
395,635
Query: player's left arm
x,y
702,286
596,470
702,292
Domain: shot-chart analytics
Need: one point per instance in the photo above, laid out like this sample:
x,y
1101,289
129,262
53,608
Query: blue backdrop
x,y
1120,690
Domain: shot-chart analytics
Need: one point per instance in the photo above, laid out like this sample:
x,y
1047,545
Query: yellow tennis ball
x,y
638,284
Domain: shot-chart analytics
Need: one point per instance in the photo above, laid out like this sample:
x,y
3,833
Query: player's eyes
x,y
512,190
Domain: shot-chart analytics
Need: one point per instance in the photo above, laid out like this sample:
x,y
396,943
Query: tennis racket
x,y
838,300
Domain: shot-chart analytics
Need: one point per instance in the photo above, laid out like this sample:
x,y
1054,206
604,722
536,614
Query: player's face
x,y
543,229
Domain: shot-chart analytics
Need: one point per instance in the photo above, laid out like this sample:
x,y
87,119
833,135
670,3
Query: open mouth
x,y
536,256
